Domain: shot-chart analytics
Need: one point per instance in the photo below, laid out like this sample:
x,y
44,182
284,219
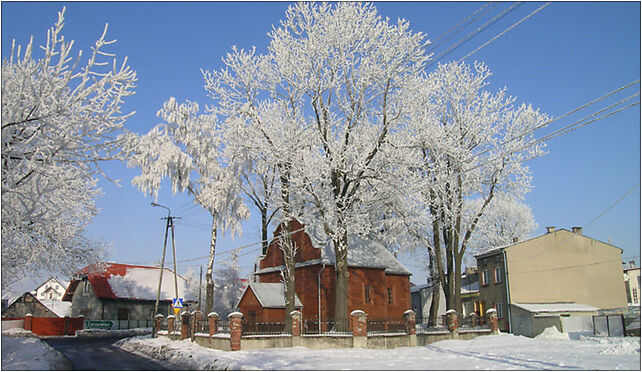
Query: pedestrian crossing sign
x,y
177,304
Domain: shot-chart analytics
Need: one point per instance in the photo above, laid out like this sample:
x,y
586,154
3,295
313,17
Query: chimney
x,y
577,230
550,229
515,239
631,264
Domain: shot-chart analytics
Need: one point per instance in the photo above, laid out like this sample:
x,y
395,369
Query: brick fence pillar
x,y
170,324
453,323
28,322
196,323
158,323
359,329
492,321
296,328
236,329
212,319
473,319
411,331
185,324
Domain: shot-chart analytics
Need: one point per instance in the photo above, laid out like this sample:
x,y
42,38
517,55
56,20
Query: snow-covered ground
x,y
550,351
22,350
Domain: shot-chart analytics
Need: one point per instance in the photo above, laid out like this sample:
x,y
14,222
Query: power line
x,y
585,226
474,33
439,40
505,31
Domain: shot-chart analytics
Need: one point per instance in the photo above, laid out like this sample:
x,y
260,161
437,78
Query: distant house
x,y
421,300
113,291
632,284
28,304
560,274
51,289
378,283
421,296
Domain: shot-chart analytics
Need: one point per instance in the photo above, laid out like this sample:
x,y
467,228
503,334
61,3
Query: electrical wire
x,y
505,31
437,42
466,38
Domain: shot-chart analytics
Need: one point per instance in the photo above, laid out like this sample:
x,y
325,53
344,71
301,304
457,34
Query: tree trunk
x,y
209,288
264,231
288,248
341,286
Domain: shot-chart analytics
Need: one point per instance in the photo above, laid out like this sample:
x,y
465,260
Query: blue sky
x,y
562,57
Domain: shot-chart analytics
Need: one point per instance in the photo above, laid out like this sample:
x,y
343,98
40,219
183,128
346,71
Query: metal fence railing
x,y
260,329
423,325
202,326
474,321
384,326
328,327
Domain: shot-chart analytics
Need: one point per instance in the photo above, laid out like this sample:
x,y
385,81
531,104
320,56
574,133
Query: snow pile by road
x,y
552,333
29,353
502,351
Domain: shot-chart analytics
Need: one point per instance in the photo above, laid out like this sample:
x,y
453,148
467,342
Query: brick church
x,y
378,283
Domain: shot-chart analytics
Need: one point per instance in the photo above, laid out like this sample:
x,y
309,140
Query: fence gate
x,y
609,325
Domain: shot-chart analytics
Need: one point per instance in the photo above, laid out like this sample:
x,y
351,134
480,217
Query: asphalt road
x,y
99,354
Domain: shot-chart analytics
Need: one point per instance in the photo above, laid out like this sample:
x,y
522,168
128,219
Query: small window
x,y
485,275
498,274
123,314
86,287
635,295
389,296
366,293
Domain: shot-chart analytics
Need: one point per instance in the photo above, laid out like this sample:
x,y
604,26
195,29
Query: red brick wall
x,y
306,252
56,326
307,284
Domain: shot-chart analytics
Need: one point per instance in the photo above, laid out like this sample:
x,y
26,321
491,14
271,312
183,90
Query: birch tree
x,y
61,116
470,144
188,150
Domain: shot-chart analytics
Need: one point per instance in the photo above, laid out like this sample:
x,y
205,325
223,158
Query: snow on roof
x,y
272,295
361,253
558,307
60,308
142,283
113,280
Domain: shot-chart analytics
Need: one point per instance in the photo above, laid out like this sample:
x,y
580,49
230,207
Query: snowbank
x,y
501,352
29,353
17,332
551,333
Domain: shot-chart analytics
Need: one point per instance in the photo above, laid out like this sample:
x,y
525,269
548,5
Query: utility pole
x,y
200,286
170,223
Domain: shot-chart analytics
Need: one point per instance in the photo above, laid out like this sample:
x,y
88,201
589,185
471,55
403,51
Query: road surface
x,y
100,354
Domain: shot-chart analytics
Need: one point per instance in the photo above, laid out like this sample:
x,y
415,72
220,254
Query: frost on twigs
x,y
60,118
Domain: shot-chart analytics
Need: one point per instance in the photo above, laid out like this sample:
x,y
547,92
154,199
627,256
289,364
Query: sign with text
x,y
98,324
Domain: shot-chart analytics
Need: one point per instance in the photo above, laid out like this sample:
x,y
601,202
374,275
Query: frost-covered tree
x,y
469,144
505,221
229,285
188,149
60,118
334,74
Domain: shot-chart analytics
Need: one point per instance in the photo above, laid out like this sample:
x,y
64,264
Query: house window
x,y
85,288
389,296
485,275
635,295
498,274
500,310
123,314
366,293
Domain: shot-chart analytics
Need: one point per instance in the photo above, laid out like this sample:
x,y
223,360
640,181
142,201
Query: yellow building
x,y
558,275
